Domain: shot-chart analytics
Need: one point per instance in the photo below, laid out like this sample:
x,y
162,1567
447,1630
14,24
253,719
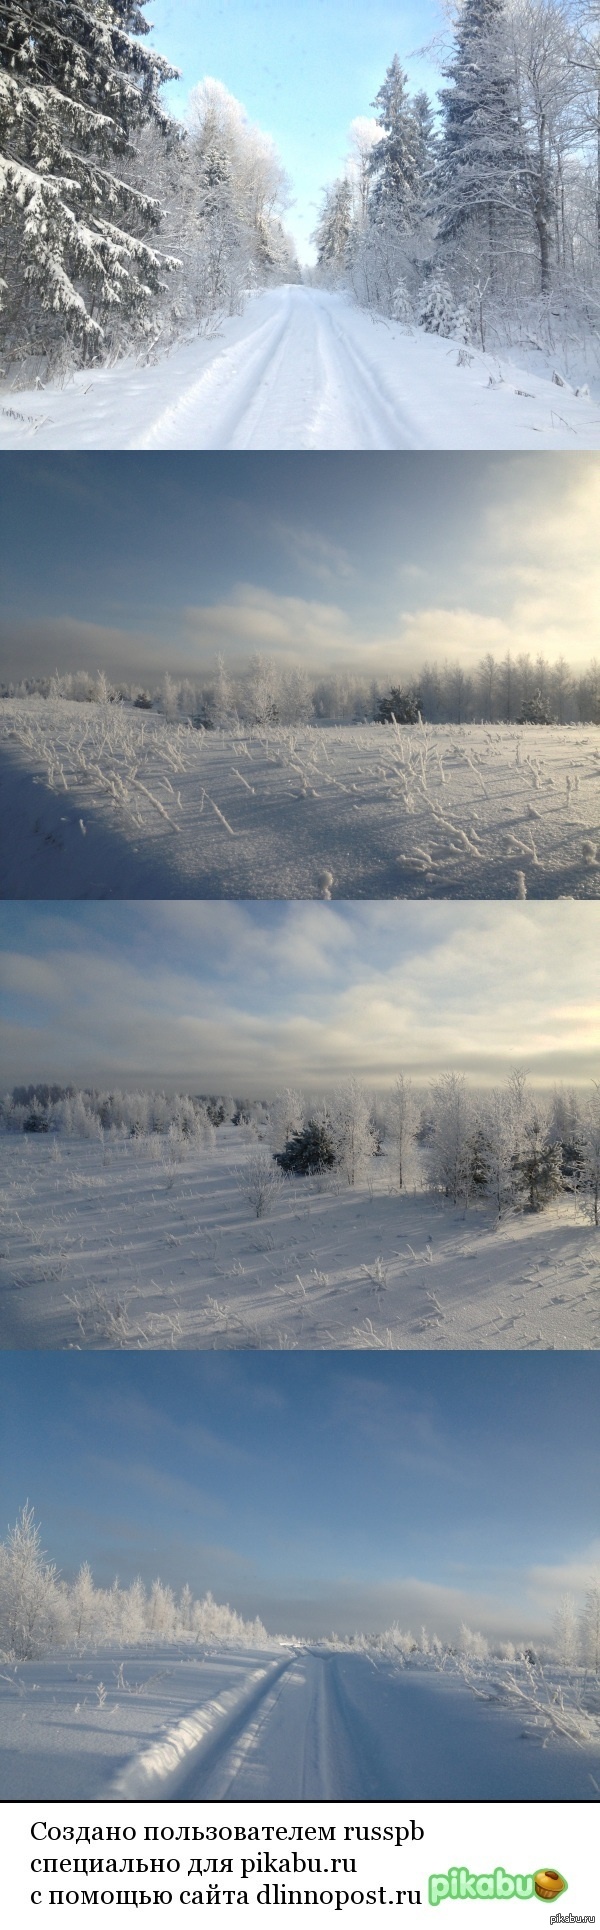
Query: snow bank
x,y
161,1768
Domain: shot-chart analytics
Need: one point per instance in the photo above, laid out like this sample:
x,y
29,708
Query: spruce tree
x,y
333,231
480,180
309,1151
396,159
76,86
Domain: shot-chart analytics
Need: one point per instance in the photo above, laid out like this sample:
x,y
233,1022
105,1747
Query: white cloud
x,y
346,1606
307,998
256,619
548,1582
314,552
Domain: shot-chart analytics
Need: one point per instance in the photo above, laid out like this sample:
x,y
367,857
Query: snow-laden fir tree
x,y
334,228
76,86
479,190
538,1166
310,1150
397,160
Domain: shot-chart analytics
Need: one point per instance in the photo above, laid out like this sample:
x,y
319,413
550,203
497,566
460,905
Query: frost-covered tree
x,y
76,87
222,700
549,126
590,1162
263,690
449,1152
401,1121
472,1643
364,135
352,1131
585,61
224,191
565,1631
501,1127
83,1605
590,1626
134,1612
287,1115
31,1605
36,1609
161,1611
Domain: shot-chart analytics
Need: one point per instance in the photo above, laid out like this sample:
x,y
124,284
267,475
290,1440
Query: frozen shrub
x,y
399,707
402,308
440,314
472,1643
260,1181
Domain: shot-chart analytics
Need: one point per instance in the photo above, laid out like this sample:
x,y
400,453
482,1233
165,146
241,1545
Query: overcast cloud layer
x,y
247,998
377,565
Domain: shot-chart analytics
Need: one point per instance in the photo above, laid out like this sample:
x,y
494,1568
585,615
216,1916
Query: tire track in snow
x,y
296,382
245,365
299,1742
164,1768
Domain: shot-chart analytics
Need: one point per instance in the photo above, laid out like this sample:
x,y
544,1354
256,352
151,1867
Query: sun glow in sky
x,y
317,1490
248,997
374,562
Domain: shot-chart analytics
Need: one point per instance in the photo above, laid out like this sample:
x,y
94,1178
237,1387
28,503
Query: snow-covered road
x,y
302,1723
344,1727
304,368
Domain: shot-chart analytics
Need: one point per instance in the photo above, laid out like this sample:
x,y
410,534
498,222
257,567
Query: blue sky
x,y
374,562
248,997
303,69
316,1489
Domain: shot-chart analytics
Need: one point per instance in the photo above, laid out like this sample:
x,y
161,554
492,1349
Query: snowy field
x,y
307,369
145,1252
105,801
293,1722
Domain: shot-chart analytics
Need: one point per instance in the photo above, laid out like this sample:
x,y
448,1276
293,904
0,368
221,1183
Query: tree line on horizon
x,y
512,689
41,1610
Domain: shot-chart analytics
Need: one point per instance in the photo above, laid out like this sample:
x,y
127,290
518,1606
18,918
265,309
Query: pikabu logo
x,y
459,1885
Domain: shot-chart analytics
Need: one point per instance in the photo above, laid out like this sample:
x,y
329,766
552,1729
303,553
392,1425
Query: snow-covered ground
x,y
307,369
105,801
290,1722
137,1253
